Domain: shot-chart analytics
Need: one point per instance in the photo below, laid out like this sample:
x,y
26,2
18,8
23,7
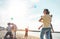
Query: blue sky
x,y
27,12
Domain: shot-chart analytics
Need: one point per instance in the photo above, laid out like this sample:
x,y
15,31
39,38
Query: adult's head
x,y
46,11
8,24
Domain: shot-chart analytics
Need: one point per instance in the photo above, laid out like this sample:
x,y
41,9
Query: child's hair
x,y
47,11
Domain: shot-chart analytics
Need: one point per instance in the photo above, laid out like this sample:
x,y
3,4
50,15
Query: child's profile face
x,y
44,12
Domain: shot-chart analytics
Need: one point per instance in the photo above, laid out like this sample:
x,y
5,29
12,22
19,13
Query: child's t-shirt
x,y
46,21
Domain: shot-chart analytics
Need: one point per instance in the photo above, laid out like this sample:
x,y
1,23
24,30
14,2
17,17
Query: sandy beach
x,y
19,35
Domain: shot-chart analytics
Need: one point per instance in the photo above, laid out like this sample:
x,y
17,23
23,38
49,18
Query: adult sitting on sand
x,y
9,32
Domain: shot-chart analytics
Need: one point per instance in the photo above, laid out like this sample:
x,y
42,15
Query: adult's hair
x,y
8,24
47,11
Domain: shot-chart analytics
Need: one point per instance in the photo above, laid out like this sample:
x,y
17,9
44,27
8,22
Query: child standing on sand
x,y
26,33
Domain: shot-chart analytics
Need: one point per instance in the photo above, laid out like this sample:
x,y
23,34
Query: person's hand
x,y
52,30
38,28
